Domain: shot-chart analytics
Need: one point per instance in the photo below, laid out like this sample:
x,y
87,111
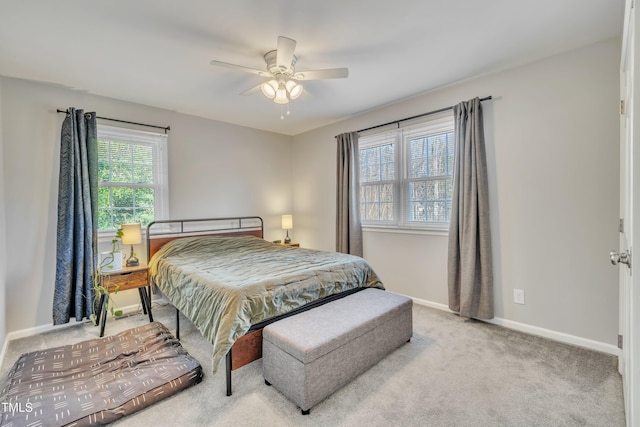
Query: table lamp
x,y
287,224
132,235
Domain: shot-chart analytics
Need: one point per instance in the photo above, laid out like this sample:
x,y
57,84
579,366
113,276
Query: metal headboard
x,y
163,231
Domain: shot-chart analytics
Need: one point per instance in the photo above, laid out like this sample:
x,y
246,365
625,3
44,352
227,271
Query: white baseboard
x,y
28,332
557,336
535,330
510,324
23,333
431,304
132,309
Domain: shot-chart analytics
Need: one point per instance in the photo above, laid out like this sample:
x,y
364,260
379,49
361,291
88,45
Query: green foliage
x,y
125,191
101,285
101,280
114,247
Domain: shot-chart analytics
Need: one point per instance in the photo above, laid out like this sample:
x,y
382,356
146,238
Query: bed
x,y
230,283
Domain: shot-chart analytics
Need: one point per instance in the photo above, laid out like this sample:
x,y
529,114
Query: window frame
x,y
380,140
403,136
159,144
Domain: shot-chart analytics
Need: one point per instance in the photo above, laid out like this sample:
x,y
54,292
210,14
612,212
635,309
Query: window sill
x,y
109,236
435,231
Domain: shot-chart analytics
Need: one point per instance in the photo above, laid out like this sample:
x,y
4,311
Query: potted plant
x,y
112,260
109,261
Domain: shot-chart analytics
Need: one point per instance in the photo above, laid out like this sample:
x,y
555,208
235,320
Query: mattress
x,y
97,381
226,284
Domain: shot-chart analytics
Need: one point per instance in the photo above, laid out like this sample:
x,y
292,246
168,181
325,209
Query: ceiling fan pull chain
x,y
281,111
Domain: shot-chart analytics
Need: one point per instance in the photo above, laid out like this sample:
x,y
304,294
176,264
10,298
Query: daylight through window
x,y
132,177
406,176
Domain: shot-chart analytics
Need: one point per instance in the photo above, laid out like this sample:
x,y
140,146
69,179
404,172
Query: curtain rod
x,y
416,117
166,129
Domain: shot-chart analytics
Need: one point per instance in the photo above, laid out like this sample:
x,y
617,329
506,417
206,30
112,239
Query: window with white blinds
x,y
132,177
406,176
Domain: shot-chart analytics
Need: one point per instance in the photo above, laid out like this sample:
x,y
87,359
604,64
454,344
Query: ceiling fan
x,y
283,85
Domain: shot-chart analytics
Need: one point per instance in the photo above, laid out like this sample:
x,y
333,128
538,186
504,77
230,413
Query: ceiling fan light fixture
x,y
284,85
269,88
294,89
282,97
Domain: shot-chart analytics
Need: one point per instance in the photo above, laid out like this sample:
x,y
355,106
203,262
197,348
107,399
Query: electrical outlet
x,y
518,296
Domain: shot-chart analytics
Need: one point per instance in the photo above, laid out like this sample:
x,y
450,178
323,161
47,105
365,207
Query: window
x,y
132,177
378,178
406,176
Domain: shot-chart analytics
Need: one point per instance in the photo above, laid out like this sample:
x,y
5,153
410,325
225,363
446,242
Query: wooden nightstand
x,y
125,279
297,245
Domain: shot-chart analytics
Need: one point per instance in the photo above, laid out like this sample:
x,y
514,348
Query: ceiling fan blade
x,y
284,53
241,68
252,90
333,73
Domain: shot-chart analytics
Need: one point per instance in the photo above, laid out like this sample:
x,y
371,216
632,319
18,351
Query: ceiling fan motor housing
x,y
270,58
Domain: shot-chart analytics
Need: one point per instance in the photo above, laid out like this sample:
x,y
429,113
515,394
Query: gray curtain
x,y
77,218
348,229
470,271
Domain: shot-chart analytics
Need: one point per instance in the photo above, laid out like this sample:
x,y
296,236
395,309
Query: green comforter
x,y
226,284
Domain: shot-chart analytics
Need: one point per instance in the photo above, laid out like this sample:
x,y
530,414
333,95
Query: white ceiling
x,y
157,52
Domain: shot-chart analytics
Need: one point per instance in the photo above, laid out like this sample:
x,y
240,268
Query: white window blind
x,y
132,177
406,176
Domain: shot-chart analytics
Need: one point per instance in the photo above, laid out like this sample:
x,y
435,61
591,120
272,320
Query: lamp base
x,y
287,239
132,261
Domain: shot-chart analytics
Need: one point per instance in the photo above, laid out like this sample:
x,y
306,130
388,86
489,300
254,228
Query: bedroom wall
x,y
3,237
215,169
552,148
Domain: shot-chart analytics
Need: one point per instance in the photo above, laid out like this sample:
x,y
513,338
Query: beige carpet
x,y
453,373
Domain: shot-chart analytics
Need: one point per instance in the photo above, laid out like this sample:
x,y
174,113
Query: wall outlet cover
x,y
518,296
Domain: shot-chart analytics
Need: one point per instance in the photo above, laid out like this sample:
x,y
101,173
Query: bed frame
x,y
248,347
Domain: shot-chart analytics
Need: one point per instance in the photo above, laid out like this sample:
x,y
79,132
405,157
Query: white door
x,y
629,365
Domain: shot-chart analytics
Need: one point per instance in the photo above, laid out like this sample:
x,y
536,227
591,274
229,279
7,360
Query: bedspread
x,y
226,284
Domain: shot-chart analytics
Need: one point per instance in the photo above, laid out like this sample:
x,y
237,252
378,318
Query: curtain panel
x,y
348,228
470,269
76,248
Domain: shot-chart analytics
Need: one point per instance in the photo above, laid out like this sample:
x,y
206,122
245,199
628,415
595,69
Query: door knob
x,y
623,258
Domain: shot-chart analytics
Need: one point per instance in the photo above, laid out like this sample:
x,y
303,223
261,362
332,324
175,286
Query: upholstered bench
x,y
310,355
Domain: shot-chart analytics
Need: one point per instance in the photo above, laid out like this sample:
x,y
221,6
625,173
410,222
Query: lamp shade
x,y
269,88
294,89
281,94
131,233
287,222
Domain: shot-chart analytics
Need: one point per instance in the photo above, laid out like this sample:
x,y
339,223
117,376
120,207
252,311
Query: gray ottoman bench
x,y
312,354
